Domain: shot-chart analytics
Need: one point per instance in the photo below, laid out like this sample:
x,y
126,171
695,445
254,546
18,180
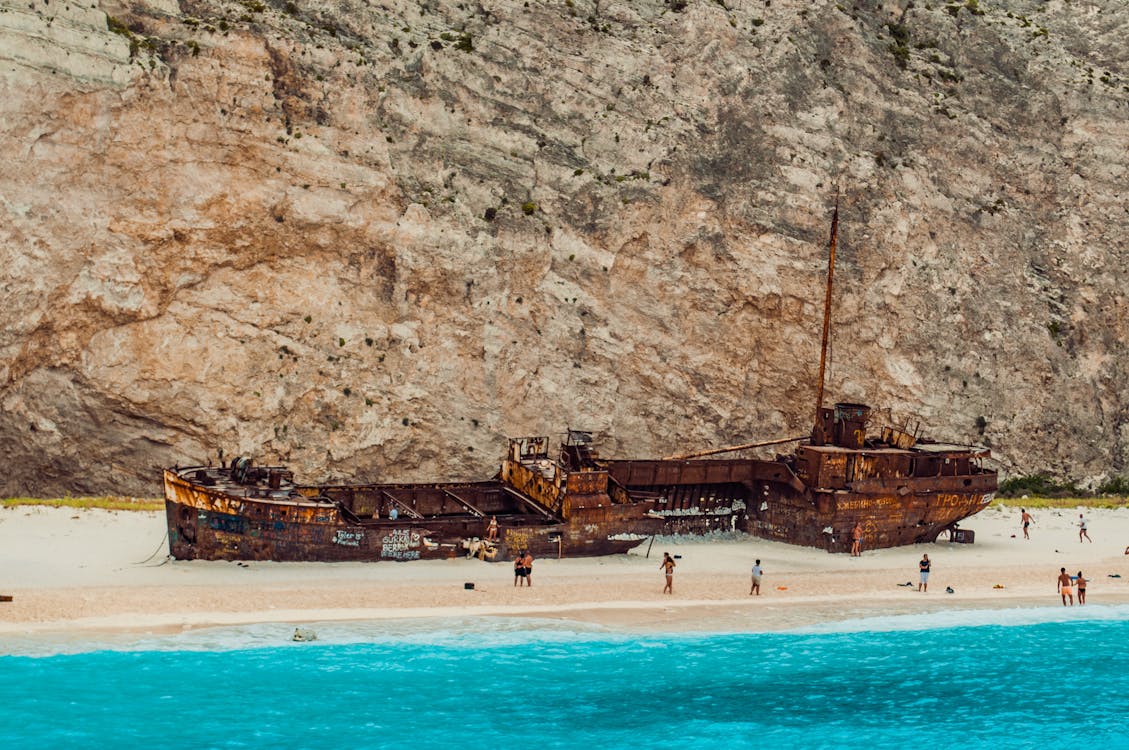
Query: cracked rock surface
x,y
373,239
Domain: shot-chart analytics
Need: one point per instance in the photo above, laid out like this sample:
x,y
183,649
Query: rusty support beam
x,y
827,309
407,508
464,503
732,448
536,506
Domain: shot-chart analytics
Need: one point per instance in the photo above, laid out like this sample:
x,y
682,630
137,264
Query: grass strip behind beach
x,y
1061,502
110,502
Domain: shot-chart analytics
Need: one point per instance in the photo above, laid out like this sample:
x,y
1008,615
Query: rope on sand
x,y
159,548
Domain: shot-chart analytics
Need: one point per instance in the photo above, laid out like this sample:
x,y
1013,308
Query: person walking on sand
x,y
1064,586
856,540
527,566
667,566
1080,584
757,573
923,569
1027,520
1082,529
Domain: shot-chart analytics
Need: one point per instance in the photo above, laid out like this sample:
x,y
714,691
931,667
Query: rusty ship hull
x,y
900,489
247,512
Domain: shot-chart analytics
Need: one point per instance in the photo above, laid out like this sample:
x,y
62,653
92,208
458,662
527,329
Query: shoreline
x,y
76,574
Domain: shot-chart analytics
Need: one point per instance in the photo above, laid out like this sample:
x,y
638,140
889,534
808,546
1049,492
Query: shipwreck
x,y
565,500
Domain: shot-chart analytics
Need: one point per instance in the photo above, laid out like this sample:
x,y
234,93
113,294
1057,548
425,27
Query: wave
x,y
964,618
484,633
470,632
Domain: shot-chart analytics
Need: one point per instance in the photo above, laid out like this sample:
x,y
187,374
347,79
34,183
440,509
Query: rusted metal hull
x,y
212,517
886,520
816,496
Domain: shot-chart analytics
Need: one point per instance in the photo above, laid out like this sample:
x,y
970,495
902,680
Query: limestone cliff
x,y
372,239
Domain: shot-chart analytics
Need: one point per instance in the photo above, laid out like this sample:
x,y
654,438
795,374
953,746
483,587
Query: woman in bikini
x,y
667,566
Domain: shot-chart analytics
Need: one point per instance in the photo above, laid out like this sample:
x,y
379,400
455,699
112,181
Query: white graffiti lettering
x,y
401,544
348,537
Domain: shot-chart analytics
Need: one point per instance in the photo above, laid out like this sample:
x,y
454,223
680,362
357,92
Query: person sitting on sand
x,y
1064,587
667,566
1080,584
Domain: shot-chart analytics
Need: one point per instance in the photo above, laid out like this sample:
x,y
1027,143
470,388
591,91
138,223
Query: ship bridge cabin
x,y
840,456
574,482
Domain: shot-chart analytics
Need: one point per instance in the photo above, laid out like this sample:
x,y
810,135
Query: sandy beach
x,y
90,571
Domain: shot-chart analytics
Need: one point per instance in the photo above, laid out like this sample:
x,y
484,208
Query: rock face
x,y
373,239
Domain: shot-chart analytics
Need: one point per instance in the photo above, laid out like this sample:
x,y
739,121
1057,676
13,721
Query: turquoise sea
x,y
1043,678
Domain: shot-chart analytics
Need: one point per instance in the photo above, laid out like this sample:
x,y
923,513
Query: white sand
x,y
87,571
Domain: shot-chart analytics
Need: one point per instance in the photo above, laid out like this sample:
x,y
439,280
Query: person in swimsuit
x,y
1064,587
1082,529
923,568
1080,584
757,573
856,540
492,529
527,567
1027,521
519,568
667,566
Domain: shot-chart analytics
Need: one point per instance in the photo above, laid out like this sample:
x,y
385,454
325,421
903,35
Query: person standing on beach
x,y
492,529
1027,520
923,568
856,540
757,573
667,566
519,568
1082,529
527,568
1080,582
1064,586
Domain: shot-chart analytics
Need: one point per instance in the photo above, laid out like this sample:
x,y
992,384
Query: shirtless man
x,y
757,573
1082,529
667,566
1064,587
856,540
527,566
1027,521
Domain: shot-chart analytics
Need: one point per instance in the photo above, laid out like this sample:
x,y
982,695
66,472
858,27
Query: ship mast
x,y
827,313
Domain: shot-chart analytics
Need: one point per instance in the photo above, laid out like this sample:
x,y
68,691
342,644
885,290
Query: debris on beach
x,y
304,634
